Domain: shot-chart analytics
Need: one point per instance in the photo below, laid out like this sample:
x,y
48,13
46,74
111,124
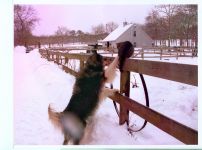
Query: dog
x,y
88,92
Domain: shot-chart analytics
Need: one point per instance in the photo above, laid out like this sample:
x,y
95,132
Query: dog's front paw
x,y
115,91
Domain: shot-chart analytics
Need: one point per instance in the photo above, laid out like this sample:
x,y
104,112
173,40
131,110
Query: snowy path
x,y
34,79
37,83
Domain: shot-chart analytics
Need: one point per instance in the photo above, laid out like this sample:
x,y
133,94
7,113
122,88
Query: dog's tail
x,y
69,123
55,117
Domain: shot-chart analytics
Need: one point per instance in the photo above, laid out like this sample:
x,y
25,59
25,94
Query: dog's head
x,y
95,60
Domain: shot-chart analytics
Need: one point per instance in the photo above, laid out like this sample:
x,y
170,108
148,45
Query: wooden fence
x,y
183,73
142,53
165,52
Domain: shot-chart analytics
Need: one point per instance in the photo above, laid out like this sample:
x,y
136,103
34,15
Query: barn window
x,y
134,44
134,34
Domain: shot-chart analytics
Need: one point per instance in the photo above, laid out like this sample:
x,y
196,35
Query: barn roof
x,y
117,33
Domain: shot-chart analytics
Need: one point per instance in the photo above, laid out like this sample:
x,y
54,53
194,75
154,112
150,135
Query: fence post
x,y
124,89
177,49
39,45
56,58
59,58
142,54
81,64
66,60
47,55
161,51
192,52
50,57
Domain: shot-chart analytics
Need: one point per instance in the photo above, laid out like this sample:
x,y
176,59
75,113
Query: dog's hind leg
x,y
76,141
73,128
66,139
78,137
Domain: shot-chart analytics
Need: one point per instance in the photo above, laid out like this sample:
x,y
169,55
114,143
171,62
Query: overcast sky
x,y
83,17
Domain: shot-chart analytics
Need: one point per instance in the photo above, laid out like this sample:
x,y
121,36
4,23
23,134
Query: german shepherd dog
x,y
88,91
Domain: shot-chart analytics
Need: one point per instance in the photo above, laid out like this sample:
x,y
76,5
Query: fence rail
x,y
143,53
183,73
181,132
165,52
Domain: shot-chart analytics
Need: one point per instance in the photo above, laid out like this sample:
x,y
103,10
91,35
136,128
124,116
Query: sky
x,y
83,17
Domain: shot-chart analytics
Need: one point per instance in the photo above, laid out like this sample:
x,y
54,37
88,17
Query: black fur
x,y
86,91
87,87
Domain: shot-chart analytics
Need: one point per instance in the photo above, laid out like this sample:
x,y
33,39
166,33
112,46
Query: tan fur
x,y
54,117
110,72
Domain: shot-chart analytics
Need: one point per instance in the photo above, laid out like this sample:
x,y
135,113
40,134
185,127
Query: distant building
x,y
128,32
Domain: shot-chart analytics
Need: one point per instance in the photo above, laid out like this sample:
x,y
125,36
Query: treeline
x,y
63,39
168,22
164,22
25,19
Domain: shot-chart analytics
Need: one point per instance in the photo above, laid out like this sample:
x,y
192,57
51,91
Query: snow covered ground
x,y
37,83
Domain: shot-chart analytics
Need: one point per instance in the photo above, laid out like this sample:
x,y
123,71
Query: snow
x,y
65,45
37,83
180,60
117,32
20,49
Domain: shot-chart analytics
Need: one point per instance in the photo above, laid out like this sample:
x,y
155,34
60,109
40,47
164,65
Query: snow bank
x,y
20,49
37,83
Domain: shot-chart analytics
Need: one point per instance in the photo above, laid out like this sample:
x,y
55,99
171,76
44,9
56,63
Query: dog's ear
x,y
94,52
93,58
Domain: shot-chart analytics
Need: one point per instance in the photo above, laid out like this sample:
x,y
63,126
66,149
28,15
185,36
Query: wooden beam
x,y
124,89
183,73
183,133
81,57
82,64
68,70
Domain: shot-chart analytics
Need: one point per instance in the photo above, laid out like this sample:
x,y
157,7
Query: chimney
x,y
124,23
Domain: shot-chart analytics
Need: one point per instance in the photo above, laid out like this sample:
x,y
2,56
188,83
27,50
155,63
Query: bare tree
x,y
190,22
72,33
111,26
185,23
173,22
25,19
80,35
99,29
61,32
152,24
167,12
79,32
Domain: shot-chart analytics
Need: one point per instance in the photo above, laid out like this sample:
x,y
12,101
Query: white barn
x,y
128,32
